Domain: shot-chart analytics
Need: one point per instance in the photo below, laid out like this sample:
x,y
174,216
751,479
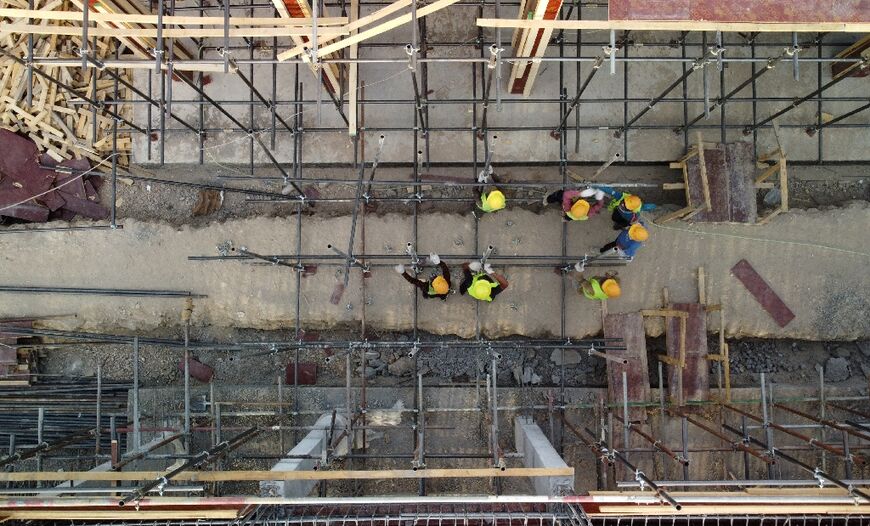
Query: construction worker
x,y
437,286
625,207
481,282
598,287
574,203
489,198
628,241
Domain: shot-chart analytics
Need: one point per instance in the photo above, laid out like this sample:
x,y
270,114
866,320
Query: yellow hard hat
x,y
482,288
637,232
440,286
633,203
495,200
580,208
611,288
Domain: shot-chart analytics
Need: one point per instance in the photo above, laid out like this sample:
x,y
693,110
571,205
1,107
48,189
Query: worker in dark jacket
x,y
625,207
437,286
480,282
628,241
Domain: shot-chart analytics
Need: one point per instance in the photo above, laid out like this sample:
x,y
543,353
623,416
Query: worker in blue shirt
x,y
628,241
626,207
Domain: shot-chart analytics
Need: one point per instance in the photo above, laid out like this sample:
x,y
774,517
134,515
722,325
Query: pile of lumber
x,y
59,122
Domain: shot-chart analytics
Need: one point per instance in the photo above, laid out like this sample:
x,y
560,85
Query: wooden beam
x,y
702,287
357,24
783,184
170,20
382,28
219,476
705,183
120,514
676,214
102,32
667,313
352,76
679,25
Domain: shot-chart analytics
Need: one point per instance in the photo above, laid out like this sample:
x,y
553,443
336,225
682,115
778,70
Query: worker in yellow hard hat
x,y
629,240
626,207
574,203
489,198
480,282
437,286
599,287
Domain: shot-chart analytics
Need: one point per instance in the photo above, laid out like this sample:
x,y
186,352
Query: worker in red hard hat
x,y
574,203
437,286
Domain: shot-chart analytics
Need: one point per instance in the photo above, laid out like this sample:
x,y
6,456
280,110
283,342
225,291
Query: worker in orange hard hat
x,y
598,287
628,241
626,207
437,286
574,203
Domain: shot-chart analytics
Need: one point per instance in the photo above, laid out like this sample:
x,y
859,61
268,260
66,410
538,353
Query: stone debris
x,y
837,369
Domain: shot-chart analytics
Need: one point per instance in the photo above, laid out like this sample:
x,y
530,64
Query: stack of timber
x,y
531,43
60,122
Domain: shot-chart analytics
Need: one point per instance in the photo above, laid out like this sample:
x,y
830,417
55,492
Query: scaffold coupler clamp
x,y
817,474
639,478
411,51
494,52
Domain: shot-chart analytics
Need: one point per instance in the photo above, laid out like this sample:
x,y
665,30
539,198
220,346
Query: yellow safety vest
x,y
597,291
616,202
574,218
472,291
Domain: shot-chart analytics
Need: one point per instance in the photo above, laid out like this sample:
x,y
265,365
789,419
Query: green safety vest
x,y
483,205
597,291
432,290
472,291
616,202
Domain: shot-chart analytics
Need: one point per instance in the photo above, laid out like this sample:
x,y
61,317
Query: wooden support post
x,y
352,79
705,183
702,287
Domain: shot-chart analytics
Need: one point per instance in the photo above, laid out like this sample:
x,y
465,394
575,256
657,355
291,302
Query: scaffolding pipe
x,y
46,447
824,421
202,459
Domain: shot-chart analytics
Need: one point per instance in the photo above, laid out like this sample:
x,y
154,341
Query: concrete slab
x,y
538,452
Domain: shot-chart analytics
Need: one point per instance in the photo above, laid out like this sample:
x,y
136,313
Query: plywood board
x,y
806,11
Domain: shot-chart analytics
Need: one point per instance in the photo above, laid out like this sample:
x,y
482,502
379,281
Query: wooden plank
x,y
767,173
702,287
676,214
783,184
678,25
762,292
673,186
382,28
705,183
120,514
234,32
254,475
172,20
667,313
352,80
351,27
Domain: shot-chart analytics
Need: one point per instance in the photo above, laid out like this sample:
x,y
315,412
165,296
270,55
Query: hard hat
x,y
495,200
580,208
633,203
611,288
637,232
482,288
440,286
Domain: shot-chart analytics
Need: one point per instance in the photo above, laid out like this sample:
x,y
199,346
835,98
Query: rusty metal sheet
x,y
307,374
805,11
22,179
730,176
198,370
769,300
629,327
740,161
696,374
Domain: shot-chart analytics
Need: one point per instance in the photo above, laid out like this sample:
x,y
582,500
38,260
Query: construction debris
x,y
30,192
